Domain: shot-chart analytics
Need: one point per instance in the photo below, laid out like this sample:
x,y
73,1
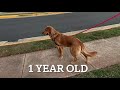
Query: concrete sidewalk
x,y
18,66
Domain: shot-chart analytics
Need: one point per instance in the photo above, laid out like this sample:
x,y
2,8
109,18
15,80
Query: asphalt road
x,y
19,28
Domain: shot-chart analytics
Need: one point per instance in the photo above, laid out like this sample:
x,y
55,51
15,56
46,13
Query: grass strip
x,y
108,72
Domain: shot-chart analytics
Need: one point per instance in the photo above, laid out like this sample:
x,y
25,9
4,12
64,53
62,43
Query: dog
x,y
61,41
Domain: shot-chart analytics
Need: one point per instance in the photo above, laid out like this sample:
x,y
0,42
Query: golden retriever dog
x,y
61,40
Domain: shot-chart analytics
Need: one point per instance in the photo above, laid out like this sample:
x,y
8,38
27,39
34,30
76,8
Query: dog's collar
x,y
53,39
56,44
53,36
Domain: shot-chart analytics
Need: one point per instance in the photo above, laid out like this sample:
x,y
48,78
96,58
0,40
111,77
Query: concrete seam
x,y
92,65
23,65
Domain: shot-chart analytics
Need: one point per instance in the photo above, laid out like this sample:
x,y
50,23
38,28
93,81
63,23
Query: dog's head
x,y
48,30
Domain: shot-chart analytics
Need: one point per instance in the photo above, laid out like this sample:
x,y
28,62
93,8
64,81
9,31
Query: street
x,y
19,28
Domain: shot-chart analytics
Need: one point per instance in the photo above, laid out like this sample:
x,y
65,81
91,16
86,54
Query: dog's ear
x,y
51,30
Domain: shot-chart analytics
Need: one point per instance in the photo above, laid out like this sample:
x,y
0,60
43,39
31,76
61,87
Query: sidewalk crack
x,y
92,65
23,65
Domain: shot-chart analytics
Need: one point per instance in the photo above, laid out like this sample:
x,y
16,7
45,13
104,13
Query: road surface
x,y
19,28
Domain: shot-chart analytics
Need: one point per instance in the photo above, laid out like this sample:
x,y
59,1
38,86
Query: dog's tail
x,y
88,54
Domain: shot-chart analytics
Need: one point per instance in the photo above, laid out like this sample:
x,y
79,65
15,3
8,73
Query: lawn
x,y
108,72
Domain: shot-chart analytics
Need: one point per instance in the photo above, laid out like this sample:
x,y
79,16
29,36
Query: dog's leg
x,y
60,50
74,60
75,51
86,57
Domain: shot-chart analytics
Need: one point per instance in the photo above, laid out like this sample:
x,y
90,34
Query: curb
x,y
40,38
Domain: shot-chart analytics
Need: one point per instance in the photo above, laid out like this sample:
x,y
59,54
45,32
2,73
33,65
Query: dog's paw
x,y
73,62
60,57
86,62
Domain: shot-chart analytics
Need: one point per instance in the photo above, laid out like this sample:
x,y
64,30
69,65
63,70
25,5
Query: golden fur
x,y
61,40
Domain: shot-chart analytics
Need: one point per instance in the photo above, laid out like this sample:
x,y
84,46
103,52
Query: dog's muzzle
x,y
45,33
42,32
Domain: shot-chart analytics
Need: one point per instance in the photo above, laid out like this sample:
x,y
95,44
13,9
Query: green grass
x,y
47,44
99,35
108,72
25,48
